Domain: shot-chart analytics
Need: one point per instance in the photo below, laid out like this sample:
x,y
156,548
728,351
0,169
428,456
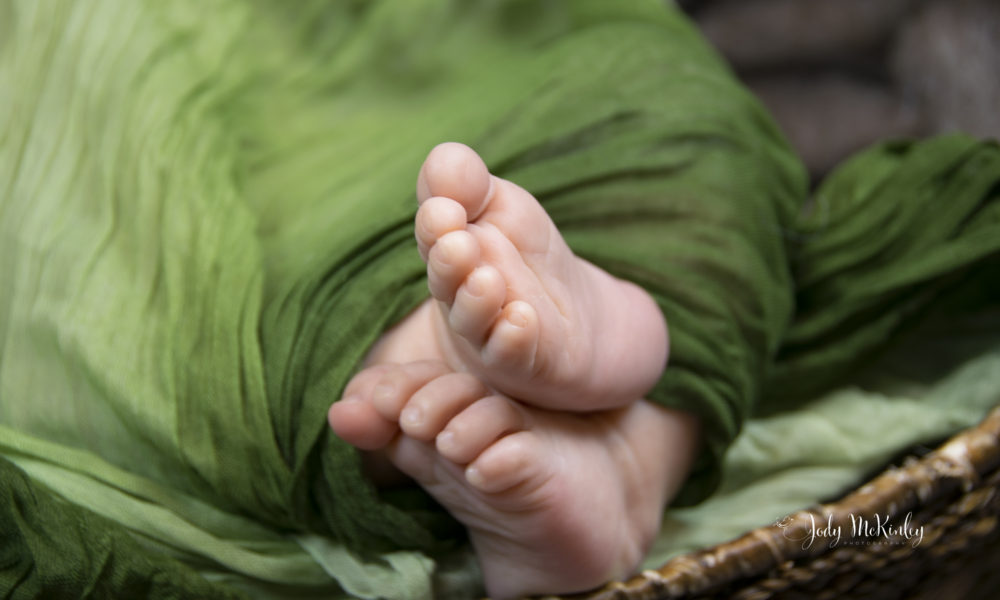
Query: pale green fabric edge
x,y
789,461
254,558
841,437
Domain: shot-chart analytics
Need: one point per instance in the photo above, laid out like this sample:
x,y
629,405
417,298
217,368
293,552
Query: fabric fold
x,y
206,222
902,230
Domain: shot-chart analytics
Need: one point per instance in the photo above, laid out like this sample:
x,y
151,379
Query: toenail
x,y
383,391
474,477
351,398
446,440
445,253
473,286
517,319
412,416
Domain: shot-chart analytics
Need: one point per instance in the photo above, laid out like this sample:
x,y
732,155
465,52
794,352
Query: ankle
x,y
664,443
633,335
411,340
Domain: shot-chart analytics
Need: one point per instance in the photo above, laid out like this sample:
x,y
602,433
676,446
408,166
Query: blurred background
x,y
841,74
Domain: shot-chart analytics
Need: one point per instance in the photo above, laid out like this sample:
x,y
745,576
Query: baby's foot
x,y
554,502
517,307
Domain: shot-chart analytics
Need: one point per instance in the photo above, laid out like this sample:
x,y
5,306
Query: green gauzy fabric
x,y
206,221
895,344
54,549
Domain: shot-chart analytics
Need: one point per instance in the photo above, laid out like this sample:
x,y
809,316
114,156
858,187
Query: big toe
x,y
354,418
455,171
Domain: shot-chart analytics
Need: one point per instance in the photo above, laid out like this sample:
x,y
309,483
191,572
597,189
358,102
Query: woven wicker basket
x,y
951,492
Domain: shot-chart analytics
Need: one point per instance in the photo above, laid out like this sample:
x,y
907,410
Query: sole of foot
x,y
515,306
554,502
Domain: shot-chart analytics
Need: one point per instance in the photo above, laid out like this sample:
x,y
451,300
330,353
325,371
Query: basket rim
x,y
959,465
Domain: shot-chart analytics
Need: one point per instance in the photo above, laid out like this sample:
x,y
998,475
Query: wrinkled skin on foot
x,y
554,502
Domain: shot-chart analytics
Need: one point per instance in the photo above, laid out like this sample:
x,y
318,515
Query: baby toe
x,y
432,406
398,382
455,171
477,304
515,460
354,418
414,458
356,421
514,338
472,431
449,262
436,217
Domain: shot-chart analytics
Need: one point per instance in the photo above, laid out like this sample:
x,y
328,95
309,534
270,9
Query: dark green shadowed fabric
x,y
897,231
206,221
56,550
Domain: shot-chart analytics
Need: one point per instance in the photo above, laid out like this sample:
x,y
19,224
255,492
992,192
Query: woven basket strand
x,y
951,493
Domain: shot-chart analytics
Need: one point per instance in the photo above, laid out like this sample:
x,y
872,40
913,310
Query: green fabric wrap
x,y
206,221
898,231
56,550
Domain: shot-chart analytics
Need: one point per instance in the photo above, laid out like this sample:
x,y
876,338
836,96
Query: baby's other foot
x,y
365,416
517,307
553,502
